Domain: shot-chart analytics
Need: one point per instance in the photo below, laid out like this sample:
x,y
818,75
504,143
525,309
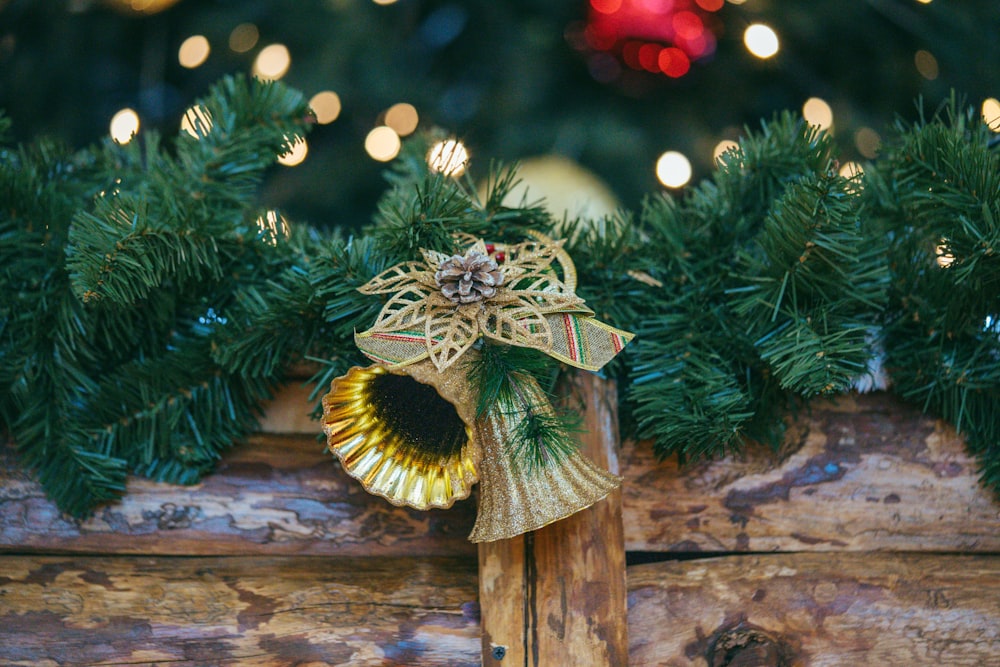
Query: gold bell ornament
x,y
412,428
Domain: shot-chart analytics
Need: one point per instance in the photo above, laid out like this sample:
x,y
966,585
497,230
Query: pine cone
x,y
470,278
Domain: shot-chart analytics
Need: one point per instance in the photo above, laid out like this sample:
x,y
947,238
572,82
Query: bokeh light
x,y
673,169
851,169
991,113
272,62
194,51
606,6
382,143
142,6
273,226
761,40
943,258
402,118
817,112
196,121
867,142
927,64
326,106
243,37
722,147
448,157
296,155
124,125
673,62
384,2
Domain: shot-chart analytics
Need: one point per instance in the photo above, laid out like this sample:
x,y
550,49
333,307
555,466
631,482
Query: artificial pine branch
x,y
144,311
500,376
119,265
937,194
770,288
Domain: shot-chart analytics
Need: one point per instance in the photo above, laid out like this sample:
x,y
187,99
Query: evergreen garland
x,y
145,309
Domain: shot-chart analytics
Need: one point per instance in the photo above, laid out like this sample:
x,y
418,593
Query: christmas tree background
x,y
155,290
512,79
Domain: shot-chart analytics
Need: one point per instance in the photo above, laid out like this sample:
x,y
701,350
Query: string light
x,y
272,62
196,121
382,143
124,125
243,37
851,169
448,157
817,112
991,113
272,226
673,169
761,40
194,51
296,154
943,258
326,106
402,118
722,148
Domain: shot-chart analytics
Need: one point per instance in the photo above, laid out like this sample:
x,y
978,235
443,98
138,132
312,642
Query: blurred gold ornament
x,y
566,190
404,433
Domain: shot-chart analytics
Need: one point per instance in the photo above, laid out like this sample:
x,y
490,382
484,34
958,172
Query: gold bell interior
x,y
404,432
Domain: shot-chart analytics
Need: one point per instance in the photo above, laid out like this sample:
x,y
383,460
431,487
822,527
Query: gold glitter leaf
x,y
434,258
404,310
517,323
397,278
449,331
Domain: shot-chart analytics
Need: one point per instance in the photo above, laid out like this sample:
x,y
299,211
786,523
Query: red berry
x,y
490,248
499,257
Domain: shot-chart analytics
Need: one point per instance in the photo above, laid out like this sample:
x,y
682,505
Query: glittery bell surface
x,y
515,497
404,433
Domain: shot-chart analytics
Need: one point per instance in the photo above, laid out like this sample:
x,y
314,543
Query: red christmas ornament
x,y
659,36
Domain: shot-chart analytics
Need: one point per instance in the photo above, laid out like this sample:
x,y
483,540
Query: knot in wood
x,y
748,646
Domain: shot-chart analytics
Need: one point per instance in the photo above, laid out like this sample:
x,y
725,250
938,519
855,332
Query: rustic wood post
x,y
556,596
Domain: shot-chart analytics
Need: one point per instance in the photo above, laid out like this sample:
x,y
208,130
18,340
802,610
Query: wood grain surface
x,y
859,473
820,610
270,495
256,611
863,472
556,596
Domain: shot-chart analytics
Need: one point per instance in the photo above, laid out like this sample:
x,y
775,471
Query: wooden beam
x,y
859,473
556,596
891,610
270,495
864,472
257,611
